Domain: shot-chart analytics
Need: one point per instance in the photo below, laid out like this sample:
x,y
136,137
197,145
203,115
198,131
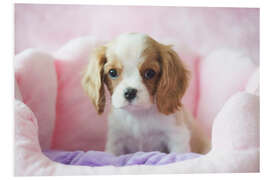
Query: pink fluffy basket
x,y
53,112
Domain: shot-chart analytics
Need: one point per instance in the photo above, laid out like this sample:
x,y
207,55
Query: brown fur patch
x,y
112,83
152,61
173,81
92,80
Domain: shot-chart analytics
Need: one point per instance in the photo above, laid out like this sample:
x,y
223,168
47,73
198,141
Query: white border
x,y
7,79
202,3
7,88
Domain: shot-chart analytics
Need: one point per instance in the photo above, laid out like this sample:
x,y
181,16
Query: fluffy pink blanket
x,y
219,45
52,112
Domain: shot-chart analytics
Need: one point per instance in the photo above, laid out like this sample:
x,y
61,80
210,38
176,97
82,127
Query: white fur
x,y
139,126
145,130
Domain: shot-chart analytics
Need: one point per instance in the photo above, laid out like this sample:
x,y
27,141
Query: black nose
x,y
130,93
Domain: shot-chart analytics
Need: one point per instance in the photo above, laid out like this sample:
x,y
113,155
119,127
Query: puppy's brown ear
x,y
93,79
173,81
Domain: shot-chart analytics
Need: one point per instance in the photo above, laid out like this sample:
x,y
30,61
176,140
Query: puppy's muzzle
x,y
130,94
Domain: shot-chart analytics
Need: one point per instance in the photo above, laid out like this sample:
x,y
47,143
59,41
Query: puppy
x,y
146,81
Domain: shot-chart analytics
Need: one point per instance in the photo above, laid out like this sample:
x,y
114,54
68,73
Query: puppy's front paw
x,y
115,148
179,149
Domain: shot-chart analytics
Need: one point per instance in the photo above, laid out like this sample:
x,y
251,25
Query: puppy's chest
x,y
145,133
143,140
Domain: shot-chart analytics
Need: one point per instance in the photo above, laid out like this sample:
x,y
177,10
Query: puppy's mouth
x,y
131,106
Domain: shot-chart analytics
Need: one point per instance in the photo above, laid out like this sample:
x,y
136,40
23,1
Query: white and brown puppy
x,y
146,80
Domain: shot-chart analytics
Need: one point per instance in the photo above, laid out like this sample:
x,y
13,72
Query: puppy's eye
x,y
149,74
113,73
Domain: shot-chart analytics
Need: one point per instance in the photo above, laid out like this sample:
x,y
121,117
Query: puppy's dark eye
x,y
113,73
149,74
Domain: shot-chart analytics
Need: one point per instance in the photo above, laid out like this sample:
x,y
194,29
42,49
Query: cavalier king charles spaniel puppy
x,y
146,81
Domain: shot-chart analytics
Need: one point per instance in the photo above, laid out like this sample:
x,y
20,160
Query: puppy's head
x,y
139,73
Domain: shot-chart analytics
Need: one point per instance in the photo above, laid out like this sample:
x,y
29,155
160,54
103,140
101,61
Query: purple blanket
x,y
98,158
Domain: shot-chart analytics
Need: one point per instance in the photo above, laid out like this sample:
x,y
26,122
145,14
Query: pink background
x,y
200,29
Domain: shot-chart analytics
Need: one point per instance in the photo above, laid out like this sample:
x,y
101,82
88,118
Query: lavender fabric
x,y
98,158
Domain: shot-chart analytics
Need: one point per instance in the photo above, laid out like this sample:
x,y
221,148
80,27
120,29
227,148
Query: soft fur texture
x,y
153,111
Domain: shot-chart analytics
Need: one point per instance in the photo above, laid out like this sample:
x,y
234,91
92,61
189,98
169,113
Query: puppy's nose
x,y
130,93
